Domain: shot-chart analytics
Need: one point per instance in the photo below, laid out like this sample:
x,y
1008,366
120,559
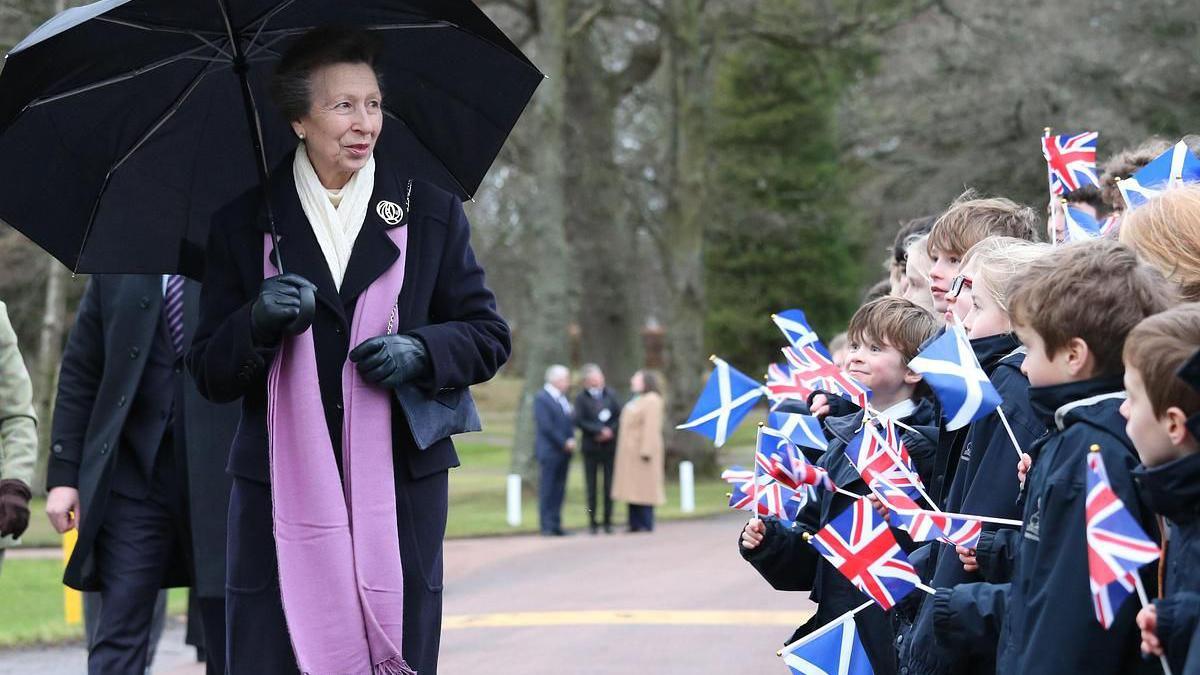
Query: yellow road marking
x,y
627,617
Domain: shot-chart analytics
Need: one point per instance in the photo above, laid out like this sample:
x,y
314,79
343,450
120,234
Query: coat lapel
x,y
373,251
297,244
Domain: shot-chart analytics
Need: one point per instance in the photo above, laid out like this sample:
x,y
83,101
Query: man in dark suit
x,y
132,440
555,442
597,412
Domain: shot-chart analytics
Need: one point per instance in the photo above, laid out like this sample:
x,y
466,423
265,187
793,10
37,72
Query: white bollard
x,y
687,487
514,500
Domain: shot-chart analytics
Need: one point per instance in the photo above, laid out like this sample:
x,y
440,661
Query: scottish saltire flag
x,y
860,545
1117,545
1071,161
952,371
875,459
1175,166
782,460
783,384
833,650
819,372
803,430
795,328
1080,225
727,398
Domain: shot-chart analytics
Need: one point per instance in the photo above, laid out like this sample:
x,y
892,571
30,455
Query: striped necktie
x,y
173,311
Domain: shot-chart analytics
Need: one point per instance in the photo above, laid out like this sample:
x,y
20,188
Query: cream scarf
x,y
335,226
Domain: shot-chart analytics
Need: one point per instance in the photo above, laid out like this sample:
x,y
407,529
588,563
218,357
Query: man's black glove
x,y
390,360
285,306
14,507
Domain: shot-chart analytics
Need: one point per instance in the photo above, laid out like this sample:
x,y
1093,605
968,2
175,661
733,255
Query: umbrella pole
x,y
241,67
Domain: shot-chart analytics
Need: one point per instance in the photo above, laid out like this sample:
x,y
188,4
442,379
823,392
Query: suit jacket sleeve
x,y
587,422
18,422
223,360
78,383
467,341
547,427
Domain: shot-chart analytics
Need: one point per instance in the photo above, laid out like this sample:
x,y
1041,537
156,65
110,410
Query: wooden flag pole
x,y
1141,591
791,646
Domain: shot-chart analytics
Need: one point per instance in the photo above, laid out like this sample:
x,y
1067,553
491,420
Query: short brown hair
x,y
1095,290
1165,232
896,321
1157,347
971,219
1123,164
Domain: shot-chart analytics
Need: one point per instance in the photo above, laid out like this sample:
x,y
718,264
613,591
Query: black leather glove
x,y
285,306
390,360
14,507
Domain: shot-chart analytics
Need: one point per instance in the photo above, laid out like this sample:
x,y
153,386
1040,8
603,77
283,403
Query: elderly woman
x,y
339,499
638,471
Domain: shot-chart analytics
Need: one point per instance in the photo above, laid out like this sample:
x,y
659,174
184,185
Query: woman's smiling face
x,y
343,121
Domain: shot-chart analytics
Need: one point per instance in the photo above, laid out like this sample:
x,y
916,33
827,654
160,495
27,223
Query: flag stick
x,y
987,519
757,445
928,589
790,647
1141,591
1011,436
852,495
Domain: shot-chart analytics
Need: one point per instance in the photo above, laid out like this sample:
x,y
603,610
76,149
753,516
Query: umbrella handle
x,y
308,308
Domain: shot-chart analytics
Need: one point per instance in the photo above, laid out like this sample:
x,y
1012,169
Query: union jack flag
x,y
784,384
773,499
1071,161
1117,545
816,370
923,525
780,459
875,459
860,545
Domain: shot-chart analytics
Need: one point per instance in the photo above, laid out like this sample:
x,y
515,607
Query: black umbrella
x,y
125,123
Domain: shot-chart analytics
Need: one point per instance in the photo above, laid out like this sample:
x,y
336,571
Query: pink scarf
x,y
339,552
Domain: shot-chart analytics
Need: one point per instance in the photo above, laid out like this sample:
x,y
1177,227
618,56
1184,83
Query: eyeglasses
x,y
960,282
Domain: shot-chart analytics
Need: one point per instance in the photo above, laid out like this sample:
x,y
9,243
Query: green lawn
x,y
31,597
32,609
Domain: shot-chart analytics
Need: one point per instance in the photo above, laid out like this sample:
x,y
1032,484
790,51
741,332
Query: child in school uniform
x,y
1072,310
968,221
1157,413
884,335
984,482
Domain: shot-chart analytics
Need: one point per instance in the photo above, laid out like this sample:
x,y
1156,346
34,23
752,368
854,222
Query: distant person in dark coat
x,y
553,446
597,413
135,464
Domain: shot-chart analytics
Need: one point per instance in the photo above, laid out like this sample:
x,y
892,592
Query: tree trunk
x,y
543,339
50,342
681,242
599,226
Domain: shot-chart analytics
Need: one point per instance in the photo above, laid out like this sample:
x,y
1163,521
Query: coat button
x,y
133,352
57,448
104,448
338,330
121,402
145,301
338,406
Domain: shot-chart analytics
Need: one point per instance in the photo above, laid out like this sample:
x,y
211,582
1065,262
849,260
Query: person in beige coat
x,y
638,471
18,437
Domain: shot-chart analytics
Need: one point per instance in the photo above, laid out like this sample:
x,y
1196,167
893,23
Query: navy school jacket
x,y
985,483
1173,491
788,563
1048,623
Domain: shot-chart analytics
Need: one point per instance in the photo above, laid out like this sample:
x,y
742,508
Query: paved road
x,y
677,602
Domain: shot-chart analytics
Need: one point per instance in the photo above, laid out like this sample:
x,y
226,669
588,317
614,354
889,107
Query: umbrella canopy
x,y
124,123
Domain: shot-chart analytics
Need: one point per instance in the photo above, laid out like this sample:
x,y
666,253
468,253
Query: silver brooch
x,y
391,212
